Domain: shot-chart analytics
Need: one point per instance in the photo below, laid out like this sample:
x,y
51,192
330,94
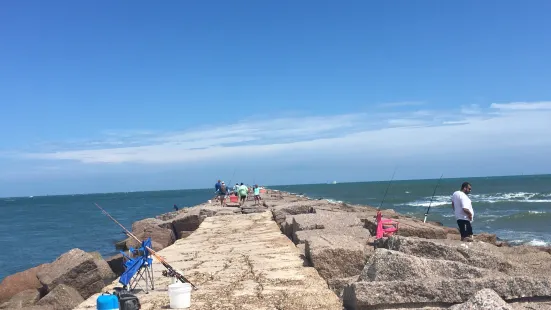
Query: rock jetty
x,y
293,252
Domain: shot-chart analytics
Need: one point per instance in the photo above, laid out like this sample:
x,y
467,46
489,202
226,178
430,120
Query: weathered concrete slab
x,y
476,254
359,233
439,292
239,262
324,220
337,256
484,299
386,265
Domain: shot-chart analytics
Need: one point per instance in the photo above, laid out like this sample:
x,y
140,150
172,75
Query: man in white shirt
x,y
464,213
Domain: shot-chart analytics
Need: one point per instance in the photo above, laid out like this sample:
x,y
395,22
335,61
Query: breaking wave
x,y
486,198
530,216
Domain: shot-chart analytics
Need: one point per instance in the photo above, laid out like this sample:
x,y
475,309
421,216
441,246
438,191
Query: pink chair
x,y
385,227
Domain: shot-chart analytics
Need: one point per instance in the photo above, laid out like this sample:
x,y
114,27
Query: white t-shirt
x,y
461,200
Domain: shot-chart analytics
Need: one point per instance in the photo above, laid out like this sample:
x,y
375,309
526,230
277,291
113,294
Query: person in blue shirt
x,y
222,192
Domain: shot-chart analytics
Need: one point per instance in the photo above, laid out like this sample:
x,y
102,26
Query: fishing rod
x,y
433,193
170,269
386,191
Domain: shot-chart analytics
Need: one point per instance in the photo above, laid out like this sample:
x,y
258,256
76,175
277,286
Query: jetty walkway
x,y
238,262
295,253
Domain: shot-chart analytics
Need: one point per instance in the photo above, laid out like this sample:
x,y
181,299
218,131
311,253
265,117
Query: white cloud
x,y
541,105
416,133
401,104
406,122
472,109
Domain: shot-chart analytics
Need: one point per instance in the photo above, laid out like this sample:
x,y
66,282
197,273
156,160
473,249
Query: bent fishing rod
x,y
170,269
433,193
386,191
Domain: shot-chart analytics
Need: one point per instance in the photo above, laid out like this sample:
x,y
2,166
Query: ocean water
x,y
34,230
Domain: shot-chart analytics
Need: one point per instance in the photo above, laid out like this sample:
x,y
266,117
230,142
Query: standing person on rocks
x,y
256,194
242,191
464,213
221,191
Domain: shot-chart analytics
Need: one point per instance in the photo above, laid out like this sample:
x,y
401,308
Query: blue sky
x,y
130,95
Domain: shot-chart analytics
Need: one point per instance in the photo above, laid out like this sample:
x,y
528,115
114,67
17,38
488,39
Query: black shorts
x,y
465,228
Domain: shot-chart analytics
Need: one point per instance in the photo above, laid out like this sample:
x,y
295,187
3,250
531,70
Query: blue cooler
x,y
107,302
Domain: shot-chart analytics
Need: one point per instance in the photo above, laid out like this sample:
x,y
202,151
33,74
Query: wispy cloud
x,y
472,109
401,104
349,135
524,106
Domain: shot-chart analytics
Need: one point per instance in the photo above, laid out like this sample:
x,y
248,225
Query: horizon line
x,y
279,185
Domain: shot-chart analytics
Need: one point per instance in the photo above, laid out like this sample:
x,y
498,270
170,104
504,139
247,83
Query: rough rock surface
x,y
365,295
74,268
359,233
478,254
115,262
189,221
208,211
22,299
326,220
485,299
287,227
19,282
386,265
252,209
43,307
63,297
139,227
337,256
163,237
105,270
184,234
485,237
337,285
281,211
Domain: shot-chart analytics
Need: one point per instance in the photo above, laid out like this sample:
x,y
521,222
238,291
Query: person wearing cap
x,y
222,193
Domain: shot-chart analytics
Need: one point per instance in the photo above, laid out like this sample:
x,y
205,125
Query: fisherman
x,y
242,191
464,213
256,194
222,193
175,207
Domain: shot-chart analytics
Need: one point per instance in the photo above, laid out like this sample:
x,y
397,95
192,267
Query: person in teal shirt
x,y
256,194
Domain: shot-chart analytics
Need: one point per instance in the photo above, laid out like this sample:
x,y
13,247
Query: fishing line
x,y
386,191
433,193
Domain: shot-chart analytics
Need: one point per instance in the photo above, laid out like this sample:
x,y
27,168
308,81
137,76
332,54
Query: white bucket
x,y
180,295
210,201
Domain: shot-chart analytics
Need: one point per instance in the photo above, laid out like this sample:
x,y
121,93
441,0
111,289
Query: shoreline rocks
x,y
423,265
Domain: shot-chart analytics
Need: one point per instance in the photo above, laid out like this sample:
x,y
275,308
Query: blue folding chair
x,y
138,266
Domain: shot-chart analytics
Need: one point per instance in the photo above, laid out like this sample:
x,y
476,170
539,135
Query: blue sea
x,y
35,230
